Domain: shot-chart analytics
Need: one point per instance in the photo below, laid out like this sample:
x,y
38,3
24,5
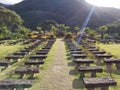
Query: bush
x,y
68,36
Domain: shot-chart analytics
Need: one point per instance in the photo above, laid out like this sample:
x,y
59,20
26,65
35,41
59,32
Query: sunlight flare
x,y
105,3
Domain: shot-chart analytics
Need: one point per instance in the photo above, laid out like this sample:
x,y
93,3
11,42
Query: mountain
x,y
70,12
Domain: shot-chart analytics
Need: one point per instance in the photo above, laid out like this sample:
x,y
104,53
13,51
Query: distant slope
x,y
70,12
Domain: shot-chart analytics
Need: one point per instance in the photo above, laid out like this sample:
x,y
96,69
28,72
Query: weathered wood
x,y
38,56
15,84
91,69
76,56
30,71
103,83
80,62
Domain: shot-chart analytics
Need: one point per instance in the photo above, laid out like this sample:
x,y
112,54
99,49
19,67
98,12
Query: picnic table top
x,y
34,62
103,55
99,82
27,70
90,68
14,83
83,61
112,60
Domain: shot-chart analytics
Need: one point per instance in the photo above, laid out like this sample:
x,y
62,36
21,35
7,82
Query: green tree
x,y
103,29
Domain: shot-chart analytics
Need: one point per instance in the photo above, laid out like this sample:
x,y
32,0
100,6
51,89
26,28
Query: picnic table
x,y
98,52
101,57
109,63
91,69
14,57
76,56
80,62
30,71
34,62
15,84
95,82
38,57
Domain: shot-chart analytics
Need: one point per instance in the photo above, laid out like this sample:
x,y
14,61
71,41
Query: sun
x,y
105,3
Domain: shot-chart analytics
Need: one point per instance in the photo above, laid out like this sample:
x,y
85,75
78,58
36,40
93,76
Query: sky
x,y
105,3
10,1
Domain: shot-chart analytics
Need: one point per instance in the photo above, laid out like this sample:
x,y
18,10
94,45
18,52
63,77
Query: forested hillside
x,y
70,12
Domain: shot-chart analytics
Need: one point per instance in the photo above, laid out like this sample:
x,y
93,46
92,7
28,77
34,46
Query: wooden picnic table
x,y
91,69
76,56
95,82
93,49
15,84
14,57
101,57
35,63
77,52
38,56
80,62
109,63
98,52
30,71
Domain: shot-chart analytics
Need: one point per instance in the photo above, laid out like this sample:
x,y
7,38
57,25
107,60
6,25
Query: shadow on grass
x,y
78,84
74,72
116,72
71,63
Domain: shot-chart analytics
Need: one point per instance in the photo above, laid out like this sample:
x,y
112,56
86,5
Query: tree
x,y
103,29
77,29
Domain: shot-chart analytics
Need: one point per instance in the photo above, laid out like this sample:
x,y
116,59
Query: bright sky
x,y
105,3
10,1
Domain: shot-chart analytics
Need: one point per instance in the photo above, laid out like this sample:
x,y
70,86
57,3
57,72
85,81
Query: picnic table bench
x,y
76,49
93,49
102,56
76,56
80,62
95,82
15,84
41,53
20,53
35,63
38,57
77,52
109,63
13,57
30,71
91,69
98,52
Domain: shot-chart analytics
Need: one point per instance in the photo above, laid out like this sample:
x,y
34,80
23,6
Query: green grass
x,y
114,49
5,50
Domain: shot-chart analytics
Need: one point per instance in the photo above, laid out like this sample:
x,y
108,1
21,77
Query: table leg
x,y
90,88
117,65
93,74
82,74
109,67
105,88
99,62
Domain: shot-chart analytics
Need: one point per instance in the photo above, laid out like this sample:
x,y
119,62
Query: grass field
x,y
113,49
8,49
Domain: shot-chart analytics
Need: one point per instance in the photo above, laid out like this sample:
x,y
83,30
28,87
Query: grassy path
x,y
57,77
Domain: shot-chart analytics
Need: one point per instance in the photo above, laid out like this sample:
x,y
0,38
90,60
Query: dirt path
x,y
57,76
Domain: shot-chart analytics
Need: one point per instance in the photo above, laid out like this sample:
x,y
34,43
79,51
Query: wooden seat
x,y
38,56
76,56
103,83
35,63
80,62
15,84
30,71
109,63
91,69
